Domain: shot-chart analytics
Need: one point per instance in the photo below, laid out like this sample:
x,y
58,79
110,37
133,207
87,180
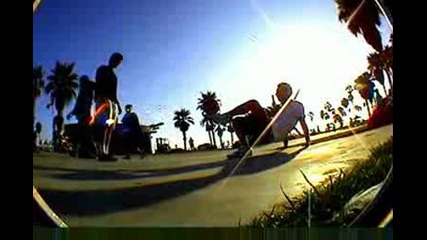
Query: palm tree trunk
x,y
184,137
213,133
367,107
210,138
58,132
221,142
214,138
54,136
389,79
61,114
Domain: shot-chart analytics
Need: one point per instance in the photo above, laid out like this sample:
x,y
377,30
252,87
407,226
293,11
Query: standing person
x,y
132,132
36,137
58,131
82,112
191,143
250,119
107,105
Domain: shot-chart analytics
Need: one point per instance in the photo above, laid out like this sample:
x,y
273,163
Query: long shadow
x,y
109,201
81,174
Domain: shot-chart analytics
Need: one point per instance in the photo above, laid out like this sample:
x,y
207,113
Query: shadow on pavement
x,y
81,174
109,201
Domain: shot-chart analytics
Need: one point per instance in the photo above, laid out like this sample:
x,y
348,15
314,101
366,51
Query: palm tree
x,y
209,104
208,127
338,119
230,129
331,110
361,17
220,130
349,89
344,103
311,116
342,112
61,87
376,67
38,85
325,116
328,106
36,136
183,120
358,108
366,89
387,59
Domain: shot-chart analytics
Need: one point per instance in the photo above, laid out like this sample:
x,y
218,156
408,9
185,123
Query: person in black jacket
x,y
132,132
82,112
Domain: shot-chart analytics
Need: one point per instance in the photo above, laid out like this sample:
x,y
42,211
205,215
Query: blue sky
x,y
174,49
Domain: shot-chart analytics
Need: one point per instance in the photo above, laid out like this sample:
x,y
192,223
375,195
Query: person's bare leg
x,y
110,133
104,141
249,106
107,143
237,130
285,144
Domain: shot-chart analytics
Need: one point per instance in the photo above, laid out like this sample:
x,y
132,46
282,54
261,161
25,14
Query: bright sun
x,y
319,59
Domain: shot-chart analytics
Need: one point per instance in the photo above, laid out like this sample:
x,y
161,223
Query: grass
x,y
327,200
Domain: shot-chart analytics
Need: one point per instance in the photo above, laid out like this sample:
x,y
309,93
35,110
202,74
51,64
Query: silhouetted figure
x,y
36,137
191,143
107,105
45,145
58,123
132,132
250,120
82,112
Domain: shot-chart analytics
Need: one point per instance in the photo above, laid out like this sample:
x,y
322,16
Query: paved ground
x,y
191,189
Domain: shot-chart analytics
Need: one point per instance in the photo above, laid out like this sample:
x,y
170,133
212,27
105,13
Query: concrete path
x,y
191,189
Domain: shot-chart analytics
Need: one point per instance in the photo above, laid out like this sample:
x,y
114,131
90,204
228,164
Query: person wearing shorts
x,y
107,105
249,121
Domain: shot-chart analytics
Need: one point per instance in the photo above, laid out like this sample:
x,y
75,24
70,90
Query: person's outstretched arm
x,y
119,107
306,131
